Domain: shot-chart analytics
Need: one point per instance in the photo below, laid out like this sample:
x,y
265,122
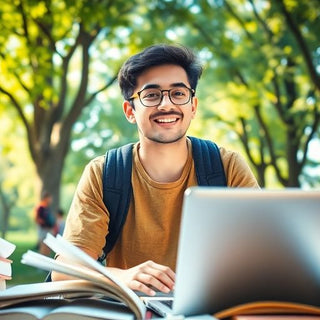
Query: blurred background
x,y
60,104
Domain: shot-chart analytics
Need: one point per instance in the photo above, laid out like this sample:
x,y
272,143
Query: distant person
x,y
46,220
60,222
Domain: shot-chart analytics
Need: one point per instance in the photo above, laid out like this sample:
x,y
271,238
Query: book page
x,y
36,310
63,247
82,308
85,267
46,263
91,308
5,267
2,284
6,248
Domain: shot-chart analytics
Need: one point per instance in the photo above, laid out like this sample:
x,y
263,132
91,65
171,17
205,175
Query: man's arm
x,y
147,277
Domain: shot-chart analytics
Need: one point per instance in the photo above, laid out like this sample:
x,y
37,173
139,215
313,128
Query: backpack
x,y
117,188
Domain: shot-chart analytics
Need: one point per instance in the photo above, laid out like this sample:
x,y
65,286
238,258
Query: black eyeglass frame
x,y
137,95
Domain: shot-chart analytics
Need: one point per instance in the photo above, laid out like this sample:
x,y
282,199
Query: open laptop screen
x,y
245,245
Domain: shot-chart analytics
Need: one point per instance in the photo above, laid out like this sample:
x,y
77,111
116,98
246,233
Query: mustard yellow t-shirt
x,y
152,226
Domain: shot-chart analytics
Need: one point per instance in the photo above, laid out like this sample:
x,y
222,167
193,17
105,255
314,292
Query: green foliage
x,y
260,74
60,107
16,174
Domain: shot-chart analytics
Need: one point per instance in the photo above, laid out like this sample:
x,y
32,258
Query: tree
x,y
7,202
262,63
58,58
46,50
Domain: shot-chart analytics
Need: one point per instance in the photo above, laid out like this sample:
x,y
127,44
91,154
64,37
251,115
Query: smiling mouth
x,y
167,120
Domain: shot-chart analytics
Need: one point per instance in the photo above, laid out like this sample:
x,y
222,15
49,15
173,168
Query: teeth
x,y
166,120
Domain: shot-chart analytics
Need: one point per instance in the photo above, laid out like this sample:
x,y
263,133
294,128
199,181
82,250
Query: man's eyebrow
x,y
179,84
151,86
157,86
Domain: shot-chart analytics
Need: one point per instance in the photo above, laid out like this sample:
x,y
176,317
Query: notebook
x,y
244,245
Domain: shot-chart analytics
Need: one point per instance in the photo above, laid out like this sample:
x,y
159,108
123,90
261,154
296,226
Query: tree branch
x,y
85,39
314,129
237,18
224,56
23,118
301,43
261,21
59,107
245,140
273,156
24,21
94,94
278,104
46,32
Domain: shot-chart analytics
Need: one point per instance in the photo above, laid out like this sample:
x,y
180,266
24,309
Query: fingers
x,y
150,277
164,275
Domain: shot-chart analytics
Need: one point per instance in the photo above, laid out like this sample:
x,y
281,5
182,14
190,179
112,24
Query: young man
x,y
158,86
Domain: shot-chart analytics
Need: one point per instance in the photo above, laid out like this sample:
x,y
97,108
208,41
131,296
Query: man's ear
x,y
194,106
129,111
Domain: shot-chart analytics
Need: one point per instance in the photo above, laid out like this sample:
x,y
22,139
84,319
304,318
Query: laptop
x,y
244,245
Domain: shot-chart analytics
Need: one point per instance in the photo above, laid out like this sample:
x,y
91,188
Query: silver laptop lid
x,y
245,245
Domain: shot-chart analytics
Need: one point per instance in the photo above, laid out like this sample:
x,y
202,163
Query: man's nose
x,y
165,101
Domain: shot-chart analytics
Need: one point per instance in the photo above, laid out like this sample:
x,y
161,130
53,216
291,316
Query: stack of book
x,y
96,294
6,249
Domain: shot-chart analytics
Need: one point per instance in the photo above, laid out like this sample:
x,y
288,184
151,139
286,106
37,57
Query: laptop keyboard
x,y
168,303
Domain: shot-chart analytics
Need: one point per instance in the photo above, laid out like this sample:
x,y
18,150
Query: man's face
x,y
48,200
167,122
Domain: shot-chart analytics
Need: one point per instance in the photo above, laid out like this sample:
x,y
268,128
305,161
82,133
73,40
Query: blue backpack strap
x,y
208,163
117,190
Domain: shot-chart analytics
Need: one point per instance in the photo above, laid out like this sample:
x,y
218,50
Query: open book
x,y
95,279
57,309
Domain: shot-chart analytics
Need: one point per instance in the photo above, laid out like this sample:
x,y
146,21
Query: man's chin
x,y
166,140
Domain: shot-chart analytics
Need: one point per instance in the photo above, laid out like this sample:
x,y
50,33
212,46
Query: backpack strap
x,y
117,190
208,163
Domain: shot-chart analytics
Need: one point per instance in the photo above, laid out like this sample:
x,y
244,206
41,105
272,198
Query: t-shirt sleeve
x,y
237,170
88,218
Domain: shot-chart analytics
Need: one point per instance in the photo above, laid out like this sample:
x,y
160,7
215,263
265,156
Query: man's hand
x,y
147,277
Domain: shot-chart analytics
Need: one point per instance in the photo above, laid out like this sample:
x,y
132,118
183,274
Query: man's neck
x,y
164,162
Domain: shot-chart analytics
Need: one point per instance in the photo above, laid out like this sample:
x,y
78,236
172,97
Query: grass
x,y
21,273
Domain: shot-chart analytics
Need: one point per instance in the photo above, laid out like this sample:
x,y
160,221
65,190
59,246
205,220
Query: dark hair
x,y
45,194
154,56
60,212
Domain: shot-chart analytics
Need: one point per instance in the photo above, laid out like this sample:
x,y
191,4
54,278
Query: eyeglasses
x,y
152,97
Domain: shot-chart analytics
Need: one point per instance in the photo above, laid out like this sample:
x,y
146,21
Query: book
x,y
94,279
5,267
57,309
270,310
6,249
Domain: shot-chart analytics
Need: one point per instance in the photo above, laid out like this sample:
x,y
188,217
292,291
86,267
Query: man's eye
x,y
179,93
151,95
